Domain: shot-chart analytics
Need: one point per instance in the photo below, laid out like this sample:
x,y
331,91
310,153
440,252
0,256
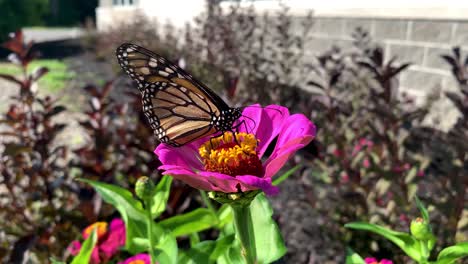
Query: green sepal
x,y
234,199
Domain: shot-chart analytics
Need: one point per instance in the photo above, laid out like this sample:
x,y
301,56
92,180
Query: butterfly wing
x,y
179,108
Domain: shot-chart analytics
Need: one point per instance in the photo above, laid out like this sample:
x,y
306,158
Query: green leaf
x,y
286,175
84,255
129,208
194,239
268,240
135,223
450,254
225,216
198,253
160,196
357,159
422,209
222,245
54,261
403,240
411,174
195,221
412,190
353,257
233,255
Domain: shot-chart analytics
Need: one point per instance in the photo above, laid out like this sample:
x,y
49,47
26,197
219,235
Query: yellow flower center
x,y
232,154
101,229
138,261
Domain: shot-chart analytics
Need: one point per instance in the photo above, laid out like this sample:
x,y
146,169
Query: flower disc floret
x,y
232,154
101,229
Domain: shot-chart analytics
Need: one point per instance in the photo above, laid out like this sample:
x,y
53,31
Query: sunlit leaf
x,y
353,257
86,250
195,221
224,215
160,196
268,240
450,254
136,226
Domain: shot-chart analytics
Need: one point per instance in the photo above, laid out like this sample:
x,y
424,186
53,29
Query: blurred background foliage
x,y
41,13
372,154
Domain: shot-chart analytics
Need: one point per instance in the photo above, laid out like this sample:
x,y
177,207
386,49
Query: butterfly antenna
x,y
266,108
248,129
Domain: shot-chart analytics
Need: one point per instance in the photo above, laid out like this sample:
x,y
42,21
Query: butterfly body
x,y
179,108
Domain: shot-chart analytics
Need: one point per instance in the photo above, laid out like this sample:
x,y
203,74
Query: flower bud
x,y
144,188
420,229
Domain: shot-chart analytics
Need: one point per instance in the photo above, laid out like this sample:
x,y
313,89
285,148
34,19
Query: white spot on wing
x,y
145,70
153,63
163,73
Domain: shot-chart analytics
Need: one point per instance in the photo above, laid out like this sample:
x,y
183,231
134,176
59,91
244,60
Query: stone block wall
x,y
418,41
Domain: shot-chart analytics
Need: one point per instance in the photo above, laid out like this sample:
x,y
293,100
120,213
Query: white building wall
x,y
177,12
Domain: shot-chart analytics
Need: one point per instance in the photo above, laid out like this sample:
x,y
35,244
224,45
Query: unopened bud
x,y
144,188
420,229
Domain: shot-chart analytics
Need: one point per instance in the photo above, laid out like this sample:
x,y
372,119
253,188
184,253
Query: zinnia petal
x,y
296,132
114,240
268,121
143,257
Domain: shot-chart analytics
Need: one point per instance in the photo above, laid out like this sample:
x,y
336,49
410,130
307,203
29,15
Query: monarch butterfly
x,y
179,108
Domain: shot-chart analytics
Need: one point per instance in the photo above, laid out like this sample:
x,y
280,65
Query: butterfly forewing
x,y
179,108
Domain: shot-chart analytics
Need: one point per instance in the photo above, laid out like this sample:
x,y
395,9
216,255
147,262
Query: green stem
x,y
245,232
209,205
149,223
424,251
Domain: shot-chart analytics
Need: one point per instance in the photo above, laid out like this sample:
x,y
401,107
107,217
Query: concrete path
x,y
51,34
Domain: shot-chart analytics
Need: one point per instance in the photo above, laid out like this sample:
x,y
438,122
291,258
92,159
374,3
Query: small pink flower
x,y
337,153
375,261
246,171
366,163
420,173
74,247
401,168
366,142
138,259
363,142
345,178
109,240
404,218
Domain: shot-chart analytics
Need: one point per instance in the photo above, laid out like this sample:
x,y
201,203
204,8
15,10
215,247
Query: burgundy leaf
x,y
38,73
11,78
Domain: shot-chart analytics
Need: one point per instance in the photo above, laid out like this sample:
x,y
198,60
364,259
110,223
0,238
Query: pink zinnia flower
x,y
233,163
109,240
138,259
375,261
